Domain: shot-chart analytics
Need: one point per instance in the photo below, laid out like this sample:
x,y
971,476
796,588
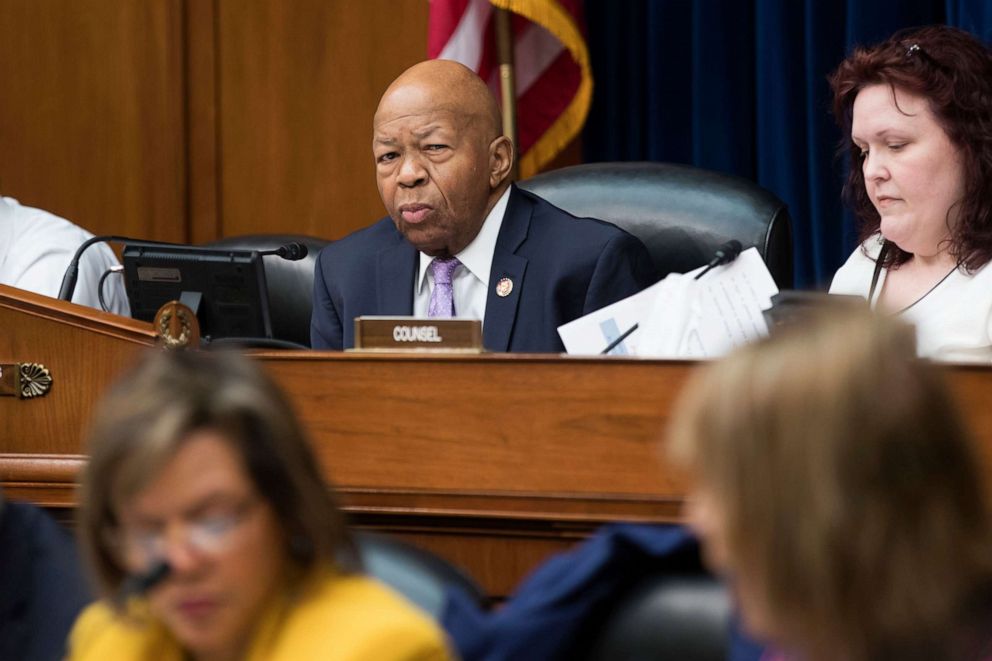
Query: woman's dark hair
x,y
952,69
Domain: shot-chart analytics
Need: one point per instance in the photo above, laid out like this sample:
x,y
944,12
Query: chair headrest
x,y
681,213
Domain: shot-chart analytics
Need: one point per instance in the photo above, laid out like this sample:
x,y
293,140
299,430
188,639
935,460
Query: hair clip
x,y
914,48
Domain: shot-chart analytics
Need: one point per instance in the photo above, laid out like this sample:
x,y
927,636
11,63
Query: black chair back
x,y
417,574
681,213
667,618
290,283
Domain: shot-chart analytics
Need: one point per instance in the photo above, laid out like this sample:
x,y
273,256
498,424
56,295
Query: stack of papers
x,y
681,317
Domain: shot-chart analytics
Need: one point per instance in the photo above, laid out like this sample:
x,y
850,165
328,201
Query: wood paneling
x,y
493,461
92,112
298,85
497,426
84,350
188,120
185,120
202,118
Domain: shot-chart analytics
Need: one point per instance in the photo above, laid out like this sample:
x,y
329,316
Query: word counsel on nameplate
x,y
373,333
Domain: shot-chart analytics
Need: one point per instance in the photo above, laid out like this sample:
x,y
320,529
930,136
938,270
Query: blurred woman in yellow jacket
x,y
202,493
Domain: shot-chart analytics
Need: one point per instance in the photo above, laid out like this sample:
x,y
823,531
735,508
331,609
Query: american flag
x,y
553,80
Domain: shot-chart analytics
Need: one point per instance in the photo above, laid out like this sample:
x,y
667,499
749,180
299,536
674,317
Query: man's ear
x,y
500,160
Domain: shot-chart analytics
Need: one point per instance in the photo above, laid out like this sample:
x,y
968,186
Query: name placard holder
x,y
417,334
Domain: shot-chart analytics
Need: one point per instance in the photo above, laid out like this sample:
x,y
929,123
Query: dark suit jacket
x,y
42,584
562,267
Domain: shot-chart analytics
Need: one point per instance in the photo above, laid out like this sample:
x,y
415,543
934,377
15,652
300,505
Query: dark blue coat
x,y
561,267
42,586
550,614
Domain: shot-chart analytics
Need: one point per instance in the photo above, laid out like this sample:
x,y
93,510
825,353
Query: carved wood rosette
x,y
24,380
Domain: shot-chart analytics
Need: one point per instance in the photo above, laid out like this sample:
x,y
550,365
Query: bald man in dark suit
x,y
457,227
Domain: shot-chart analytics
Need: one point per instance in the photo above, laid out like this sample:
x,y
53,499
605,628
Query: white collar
x,y
477,256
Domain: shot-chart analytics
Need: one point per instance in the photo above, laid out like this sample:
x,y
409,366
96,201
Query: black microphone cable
x,y
99,286
136,585
72,271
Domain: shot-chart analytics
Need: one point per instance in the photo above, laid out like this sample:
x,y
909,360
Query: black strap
x,y
878,270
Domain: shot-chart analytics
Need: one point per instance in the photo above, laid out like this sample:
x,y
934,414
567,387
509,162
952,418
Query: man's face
x,y
433,171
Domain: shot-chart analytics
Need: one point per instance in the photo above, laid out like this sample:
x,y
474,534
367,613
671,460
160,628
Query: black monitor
x,y
225,288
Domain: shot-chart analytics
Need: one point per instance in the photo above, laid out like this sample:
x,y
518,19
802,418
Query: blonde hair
x,y
147,416
849,487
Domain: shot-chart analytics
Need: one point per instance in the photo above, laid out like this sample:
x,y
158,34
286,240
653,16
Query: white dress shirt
x,y
470,281
36,247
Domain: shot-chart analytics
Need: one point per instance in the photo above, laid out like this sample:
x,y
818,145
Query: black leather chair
x,y
290,283
666,618
419,575
681,213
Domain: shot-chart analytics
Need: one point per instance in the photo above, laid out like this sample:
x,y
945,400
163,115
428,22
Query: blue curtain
x,y
740,86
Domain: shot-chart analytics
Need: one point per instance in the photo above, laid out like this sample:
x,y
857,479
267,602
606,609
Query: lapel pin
x,y
504,287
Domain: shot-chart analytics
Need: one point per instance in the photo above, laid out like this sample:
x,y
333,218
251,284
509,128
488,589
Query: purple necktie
x,y
443,297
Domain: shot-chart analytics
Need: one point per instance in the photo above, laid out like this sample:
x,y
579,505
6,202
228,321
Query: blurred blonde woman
x,y
836,490
197,461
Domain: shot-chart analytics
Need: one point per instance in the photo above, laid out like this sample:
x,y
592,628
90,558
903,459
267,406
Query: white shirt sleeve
x,y
36,247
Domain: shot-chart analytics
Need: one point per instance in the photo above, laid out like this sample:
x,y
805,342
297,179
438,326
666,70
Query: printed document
x,y
681,317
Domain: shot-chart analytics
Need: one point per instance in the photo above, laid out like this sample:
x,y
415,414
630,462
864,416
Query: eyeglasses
x,y
210,533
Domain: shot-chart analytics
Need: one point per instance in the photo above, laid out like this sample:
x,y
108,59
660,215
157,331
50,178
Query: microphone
x,y
136,585
725,254
72,271
290,251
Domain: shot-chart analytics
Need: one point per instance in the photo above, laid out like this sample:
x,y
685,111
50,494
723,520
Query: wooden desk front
x,y
493,461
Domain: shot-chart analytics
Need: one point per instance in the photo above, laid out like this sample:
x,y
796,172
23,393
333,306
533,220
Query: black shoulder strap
x,y
878,270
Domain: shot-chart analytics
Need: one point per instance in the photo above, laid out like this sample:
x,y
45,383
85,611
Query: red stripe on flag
x,y
487,62
444,18
546,99
553,108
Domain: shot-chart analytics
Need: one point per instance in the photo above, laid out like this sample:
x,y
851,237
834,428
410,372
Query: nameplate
x,y
417,334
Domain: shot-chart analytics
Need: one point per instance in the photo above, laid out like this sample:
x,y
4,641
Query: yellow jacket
x,y
341,618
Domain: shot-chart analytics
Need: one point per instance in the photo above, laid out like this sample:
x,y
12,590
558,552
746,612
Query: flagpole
x,y
507,83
